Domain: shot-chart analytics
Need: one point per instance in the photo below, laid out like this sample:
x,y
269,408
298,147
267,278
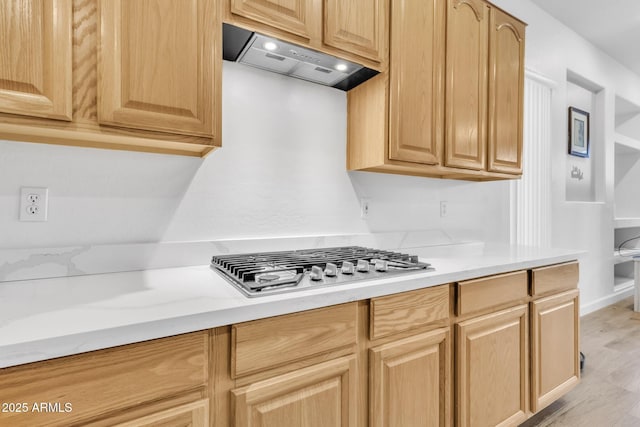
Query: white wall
x,y
554,50
281,172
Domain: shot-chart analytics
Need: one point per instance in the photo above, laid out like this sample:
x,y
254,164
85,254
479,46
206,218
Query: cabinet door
x,y
357,26
194,414
322,395
35,58
299,17
492,369
159,65
555,351
416,81
506,92
410,381
466,83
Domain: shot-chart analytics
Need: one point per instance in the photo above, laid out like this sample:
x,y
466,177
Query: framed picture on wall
x,y
578,132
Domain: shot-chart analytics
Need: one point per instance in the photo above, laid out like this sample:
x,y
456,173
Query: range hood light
x,y
341,67
270,46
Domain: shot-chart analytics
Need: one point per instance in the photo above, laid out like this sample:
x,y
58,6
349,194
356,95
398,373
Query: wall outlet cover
x,y
34,203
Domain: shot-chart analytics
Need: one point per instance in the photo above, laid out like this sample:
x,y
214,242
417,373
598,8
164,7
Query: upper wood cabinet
x,y
466,92
416,81
156,66
357,26
506,92
357,30
35,58
451,104
142,75
298,17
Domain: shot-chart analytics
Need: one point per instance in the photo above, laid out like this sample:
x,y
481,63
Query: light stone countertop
x,y
47,318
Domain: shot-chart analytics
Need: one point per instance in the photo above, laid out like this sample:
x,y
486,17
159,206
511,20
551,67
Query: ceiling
x,y
613,25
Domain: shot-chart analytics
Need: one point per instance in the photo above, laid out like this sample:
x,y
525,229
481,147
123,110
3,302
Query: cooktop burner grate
x,y
266,273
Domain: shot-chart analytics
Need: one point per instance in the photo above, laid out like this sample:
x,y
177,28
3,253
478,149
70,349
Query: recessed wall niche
x,y
584,175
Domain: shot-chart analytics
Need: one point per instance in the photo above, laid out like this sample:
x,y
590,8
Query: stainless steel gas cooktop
x,y
268,273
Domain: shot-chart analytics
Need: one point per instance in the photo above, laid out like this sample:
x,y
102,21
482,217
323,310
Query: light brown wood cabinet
x,y
555,351
35,59
506,92
485,88
453,112
195,414
156,67
410,358
296,370
492,369
409,381
320,395
356,30
134,75
117,385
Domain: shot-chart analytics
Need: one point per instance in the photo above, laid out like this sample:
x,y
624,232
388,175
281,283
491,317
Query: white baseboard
x,y
612,298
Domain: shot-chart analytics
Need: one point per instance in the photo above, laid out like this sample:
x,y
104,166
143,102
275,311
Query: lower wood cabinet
x,y
321,395
409,381
194,414
492,387
555,351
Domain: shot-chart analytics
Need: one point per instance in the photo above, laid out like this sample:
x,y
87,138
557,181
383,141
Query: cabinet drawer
x,y
487,292
267,343
554,278
408,310
97,383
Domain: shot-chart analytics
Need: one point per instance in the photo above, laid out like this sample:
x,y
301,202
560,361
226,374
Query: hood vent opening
x,y
274,55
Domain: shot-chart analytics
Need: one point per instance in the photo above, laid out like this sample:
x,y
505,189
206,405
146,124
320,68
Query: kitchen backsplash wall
x,y
281,172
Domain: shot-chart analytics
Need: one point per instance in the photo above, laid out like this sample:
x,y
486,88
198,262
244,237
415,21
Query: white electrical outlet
x,y
364,208
443,209
34,202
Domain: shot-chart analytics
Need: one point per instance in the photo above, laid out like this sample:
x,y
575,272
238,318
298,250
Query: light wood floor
x,y
609,392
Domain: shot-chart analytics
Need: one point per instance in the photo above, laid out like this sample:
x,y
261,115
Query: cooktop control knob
x,y
362,266
316,273
330,270
347,267
381,265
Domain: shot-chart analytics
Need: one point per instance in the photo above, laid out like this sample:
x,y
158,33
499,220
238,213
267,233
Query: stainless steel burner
x,y
269,273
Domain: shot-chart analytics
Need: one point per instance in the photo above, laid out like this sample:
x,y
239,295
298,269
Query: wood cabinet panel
x,y
36,59
554,278
271,342
300,17
401,312
321,395
506,92
409,381
481,294
159,66
492,363
555,347
466,83
194,414
416,91
357,26
99,382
